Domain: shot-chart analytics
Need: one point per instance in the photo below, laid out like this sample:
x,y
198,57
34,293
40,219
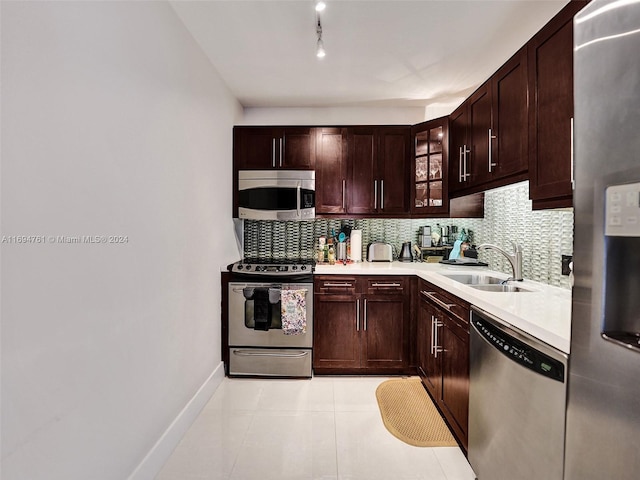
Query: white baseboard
x,y
153,462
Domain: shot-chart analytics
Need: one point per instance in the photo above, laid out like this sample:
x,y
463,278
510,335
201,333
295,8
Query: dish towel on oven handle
x,y
294,311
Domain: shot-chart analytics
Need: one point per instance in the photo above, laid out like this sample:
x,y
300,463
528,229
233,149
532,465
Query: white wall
x,y
113,123
333,116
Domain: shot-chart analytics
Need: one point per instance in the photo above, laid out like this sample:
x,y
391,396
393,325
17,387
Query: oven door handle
x,y
253,353
305,290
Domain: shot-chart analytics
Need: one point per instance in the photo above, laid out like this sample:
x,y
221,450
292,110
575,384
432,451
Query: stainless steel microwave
x,y
277,194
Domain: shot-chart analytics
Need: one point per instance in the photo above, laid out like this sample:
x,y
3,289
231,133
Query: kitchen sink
x,y
476,279
500,288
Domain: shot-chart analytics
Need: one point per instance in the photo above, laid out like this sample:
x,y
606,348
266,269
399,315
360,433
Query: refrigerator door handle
x,y
573,178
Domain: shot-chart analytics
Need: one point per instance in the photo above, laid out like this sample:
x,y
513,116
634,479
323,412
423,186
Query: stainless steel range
x,y
269,337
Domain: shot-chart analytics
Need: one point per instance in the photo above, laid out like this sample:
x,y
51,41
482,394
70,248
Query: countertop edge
x,y
544,312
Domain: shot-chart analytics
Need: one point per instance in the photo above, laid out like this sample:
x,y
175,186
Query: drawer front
x,y
391,285
459,309
273,362
335,284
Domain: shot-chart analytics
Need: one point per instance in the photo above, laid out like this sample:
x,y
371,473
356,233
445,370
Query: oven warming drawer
x,y
270,362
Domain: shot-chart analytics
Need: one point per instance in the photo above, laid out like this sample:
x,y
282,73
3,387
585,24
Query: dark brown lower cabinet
x,y
429,363
336,344
443,354
455,376
361,325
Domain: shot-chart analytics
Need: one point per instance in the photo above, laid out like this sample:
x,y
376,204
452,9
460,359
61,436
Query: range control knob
x,y
303,267
295,267
248,267
240,267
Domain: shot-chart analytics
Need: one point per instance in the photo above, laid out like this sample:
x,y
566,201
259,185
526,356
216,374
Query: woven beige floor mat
x,y
409,414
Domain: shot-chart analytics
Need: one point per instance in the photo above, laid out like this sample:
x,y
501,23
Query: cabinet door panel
x,y
255,148
550,66
385,332
554,104
429,168
336,339
455,376
393,197
331,171
510,120
298,148
430,364
363,194
458,124
479,125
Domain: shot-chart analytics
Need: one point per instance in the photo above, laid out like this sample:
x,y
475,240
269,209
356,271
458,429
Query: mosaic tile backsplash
x,y
545,235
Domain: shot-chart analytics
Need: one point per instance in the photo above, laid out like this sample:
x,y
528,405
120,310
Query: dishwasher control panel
x,y
519,351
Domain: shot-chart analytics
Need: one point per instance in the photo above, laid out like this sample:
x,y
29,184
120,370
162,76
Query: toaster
x,y
379,252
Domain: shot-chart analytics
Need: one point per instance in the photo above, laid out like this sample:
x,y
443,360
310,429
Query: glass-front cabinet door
x,y
430,165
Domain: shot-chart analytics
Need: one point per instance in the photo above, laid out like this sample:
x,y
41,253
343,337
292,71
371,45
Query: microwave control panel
x,y
622,210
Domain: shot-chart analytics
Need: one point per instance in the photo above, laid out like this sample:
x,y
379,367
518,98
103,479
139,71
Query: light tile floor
x,y
324,428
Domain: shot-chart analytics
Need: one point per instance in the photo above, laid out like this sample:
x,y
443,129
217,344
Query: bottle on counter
x,y
322,249
332,253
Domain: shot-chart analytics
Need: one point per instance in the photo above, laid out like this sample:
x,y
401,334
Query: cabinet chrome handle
x,y
365,314
254,353
344,182
436,348
385,284
375,194
432,296
358,315
299,195
381,194
433,334
460,171
573,178
466,150
273,152
491,164
343,284
281,149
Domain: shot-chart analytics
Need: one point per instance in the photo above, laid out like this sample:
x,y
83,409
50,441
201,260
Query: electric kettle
x,y
405,253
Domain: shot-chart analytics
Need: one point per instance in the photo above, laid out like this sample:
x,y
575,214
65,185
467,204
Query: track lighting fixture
x,y
320,46
320,6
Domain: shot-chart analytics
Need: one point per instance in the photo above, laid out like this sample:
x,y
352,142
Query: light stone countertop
x,y
544,312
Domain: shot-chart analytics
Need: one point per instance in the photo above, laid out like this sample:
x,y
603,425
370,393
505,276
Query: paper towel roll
x,y
356,245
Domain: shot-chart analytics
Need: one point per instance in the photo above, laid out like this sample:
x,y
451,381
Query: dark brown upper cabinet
x,y
331,171
429,168
508,153
551,111
362,182
489,132
479,105
458,148
393,167
470,124
260,148
377,178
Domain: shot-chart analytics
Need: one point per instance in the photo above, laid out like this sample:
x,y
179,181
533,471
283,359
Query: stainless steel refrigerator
x,y
603,414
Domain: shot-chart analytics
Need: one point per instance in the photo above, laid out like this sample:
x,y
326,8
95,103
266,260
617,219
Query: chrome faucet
x,y
515,258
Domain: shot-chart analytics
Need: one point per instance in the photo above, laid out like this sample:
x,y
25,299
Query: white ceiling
x,y
396,53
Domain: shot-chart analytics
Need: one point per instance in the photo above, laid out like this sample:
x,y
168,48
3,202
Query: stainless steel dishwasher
x,y
517,400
